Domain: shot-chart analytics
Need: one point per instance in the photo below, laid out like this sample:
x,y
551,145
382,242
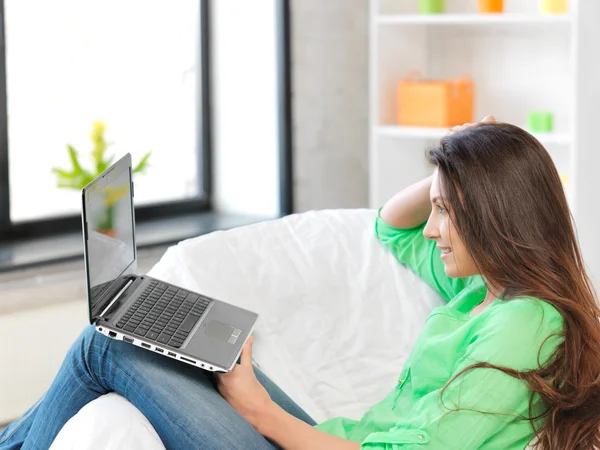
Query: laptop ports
x,y
112,334
159,350
146,345
188,360
128,339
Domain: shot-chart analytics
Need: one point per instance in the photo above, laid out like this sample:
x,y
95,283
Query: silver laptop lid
x,y
108,235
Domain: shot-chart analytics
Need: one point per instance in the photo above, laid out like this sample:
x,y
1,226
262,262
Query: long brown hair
x,y
507,202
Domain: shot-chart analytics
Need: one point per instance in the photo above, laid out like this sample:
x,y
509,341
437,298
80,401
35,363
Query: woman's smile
x,y
445,251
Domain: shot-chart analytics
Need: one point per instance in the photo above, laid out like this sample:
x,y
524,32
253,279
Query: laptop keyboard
x,y
164,313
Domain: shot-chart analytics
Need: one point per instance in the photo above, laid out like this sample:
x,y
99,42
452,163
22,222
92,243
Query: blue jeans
x,y
180,401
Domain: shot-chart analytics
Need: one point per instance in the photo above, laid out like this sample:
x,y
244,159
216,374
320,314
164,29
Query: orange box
x,y
490,6
435,103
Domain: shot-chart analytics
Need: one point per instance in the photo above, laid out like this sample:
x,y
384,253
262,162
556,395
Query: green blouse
x,y
483,408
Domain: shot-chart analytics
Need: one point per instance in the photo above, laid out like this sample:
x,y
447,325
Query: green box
x,y
540,121
431,6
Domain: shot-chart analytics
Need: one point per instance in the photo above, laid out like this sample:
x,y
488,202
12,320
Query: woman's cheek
x,y
444,231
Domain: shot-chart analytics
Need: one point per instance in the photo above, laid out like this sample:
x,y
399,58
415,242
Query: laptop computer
x,y
154,315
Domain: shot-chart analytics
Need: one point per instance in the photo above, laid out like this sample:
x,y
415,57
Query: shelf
x,y
474,19
438,133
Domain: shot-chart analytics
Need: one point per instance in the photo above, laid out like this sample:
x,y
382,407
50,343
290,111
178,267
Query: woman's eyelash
x,y
441,208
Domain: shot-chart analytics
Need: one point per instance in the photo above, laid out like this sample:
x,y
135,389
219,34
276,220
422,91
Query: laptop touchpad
x,y
220,331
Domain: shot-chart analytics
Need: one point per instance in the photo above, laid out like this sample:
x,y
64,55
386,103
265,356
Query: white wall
x,y
27,369
587,157
244,100
330,103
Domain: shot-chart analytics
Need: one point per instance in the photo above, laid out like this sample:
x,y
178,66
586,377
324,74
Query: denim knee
x,y
88,336
80,350
86,354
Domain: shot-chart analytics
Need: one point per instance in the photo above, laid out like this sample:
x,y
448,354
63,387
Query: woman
x,y
514,354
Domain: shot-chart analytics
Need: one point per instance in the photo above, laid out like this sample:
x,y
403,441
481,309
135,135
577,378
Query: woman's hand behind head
x,y
458,128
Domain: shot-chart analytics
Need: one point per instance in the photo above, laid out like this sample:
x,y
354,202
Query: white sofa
x,y
338,316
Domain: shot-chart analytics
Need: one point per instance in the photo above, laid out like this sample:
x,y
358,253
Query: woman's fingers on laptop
x,y
242,390
247,354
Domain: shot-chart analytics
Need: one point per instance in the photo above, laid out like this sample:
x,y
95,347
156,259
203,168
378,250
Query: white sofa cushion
x,y
108,423
338,314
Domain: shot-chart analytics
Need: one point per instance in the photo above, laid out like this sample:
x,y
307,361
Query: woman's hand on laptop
x,y
242,390
247,396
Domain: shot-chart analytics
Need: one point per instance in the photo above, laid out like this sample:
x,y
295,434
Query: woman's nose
x,y
431,231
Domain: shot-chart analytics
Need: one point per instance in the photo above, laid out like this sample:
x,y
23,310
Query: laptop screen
x,y
110,246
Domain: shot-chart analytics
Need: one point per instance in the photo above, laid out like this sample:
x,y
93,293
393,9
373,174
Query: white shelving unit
x,y
474,19
520,61
437,133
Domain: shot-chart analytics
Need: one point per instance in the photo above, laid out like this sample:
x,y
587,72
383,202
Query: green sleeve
x,y
420,255
489,399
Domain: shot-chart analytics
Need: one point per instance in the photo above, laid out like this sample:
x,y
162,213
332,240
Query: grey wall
x,y
330,103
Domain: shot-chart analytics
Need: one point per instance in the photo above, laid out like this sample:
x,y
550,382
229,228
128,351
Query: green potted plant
x,y
78,177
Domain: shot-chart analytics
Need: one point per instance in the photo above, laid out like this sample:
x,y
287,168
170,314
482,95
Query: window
x,y
137,66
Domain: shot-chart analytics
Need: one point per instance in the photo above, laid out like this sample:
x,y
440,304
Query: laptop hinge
x,y
118,299
112,302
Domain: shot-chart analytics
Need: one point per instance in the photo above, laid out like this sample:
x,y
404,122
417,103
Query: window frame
x,y
72,223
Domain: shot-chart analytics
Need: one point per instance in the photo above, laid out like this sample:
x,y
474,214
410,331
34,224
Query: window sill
x,y
45,272
66,247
